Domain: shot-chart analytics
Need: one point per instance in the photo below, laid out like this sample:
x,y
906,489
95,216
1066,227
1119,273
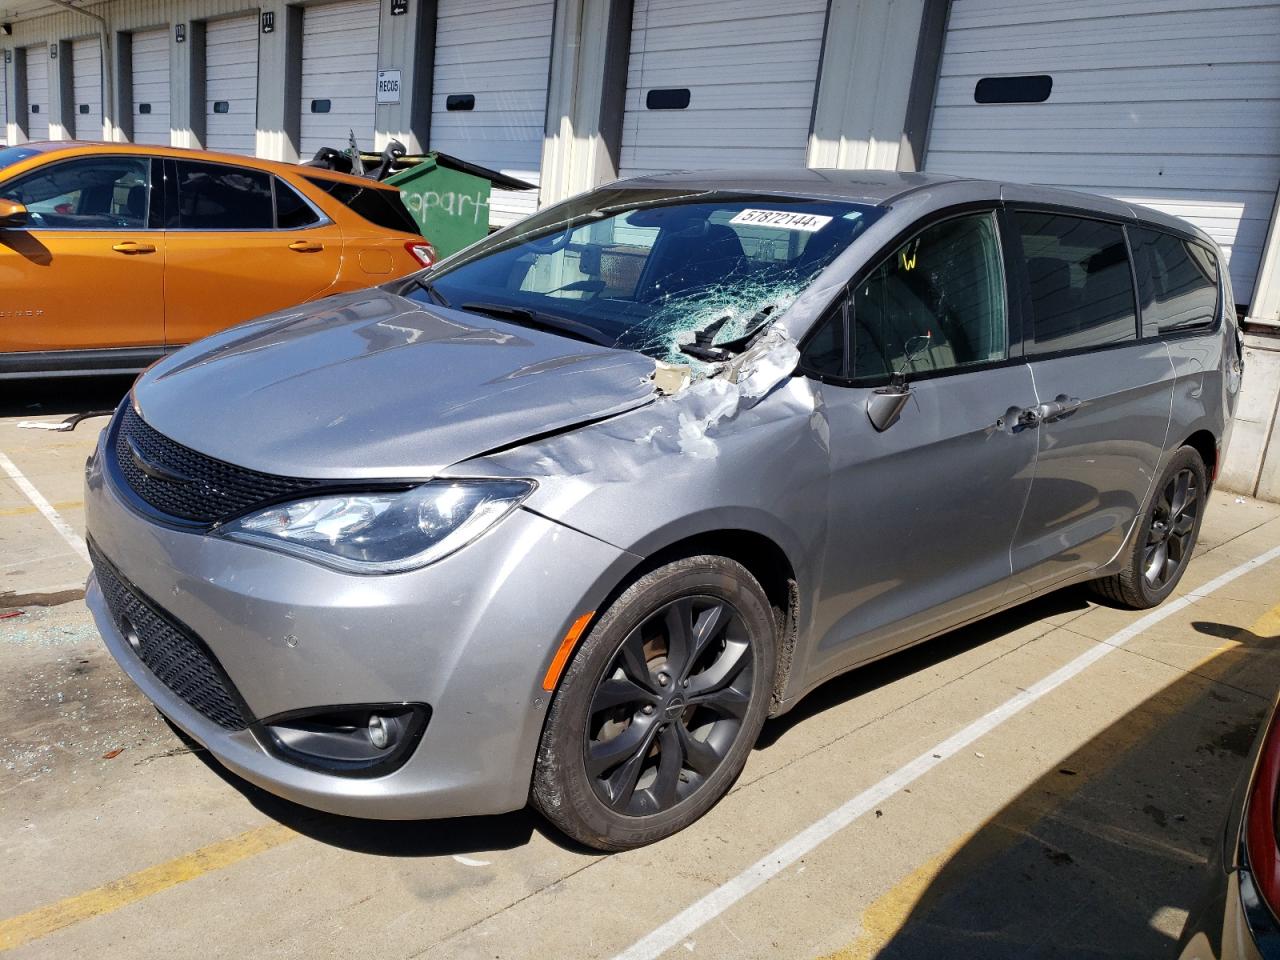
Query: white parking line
x,y
719,900
41,504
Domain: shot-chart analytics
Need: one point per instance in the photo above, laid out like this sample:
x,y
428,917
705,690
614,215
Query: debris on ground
x,y
112,754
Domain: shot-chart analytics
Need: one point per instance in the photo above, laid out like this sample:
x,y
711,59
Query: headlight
x,y
383,532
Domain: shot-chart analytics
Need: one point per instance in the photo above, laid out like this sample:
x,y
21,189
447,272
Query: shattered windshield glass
x,y
674,274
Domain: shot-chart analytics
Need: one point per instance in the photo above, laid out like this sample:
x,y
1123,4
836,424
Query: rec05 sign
x,y
388,86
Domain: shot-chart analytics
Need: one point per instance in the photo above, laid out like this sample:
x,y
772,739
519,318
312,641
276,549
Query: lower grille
x,y
170,650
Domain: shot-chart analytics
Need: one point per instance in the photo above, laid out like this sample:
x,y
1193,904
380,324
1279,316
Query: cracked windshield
x,y
679,276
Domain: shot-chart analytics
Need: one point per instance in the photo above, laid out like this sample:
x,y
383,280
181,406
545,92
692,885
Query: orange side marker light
x,y
566,648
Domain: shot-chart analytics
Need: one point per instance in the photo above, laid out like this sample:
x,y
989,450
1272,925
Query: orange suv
x,y
113,254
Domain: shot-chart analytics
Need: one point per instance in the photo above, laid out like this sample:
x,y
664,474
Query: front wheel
x,y
1160,552
660,707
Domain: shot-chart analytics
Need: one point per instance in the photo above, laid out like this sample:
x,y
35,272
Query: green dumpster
x,y
449,197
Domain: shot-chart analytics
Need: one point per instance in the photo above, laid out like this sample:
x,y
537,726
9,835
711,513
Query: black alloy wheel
x,y
670,705
1172,530
1160,547
660,706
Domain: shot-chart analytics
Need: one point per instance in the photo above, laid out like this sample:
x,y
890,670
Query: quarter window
x,y
291,210
939,297
98,193
1179,285
213,196
1081,283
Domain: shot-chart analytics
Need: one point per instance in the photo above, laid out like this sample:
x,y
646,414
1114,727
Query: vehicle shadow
x,y
1105,853
922,656
51,396
391,838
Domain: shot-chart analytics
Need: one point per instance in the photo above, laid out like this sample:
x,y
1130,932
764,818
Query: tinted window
x,y
1179,282
1081,284
291,210
379,205
97,193
940,296
212,196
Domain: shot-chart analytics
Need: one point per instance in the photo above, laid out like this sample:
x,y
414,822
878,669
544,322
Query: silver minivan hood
x,y
370,384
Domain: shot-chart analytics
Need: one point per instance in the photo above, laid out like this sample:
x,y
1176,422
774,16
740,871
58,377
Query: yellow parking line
x,y
30,508
43,921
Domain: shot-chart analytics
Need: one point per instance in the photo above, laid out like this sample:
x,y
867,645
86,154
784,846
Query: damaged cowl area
x,y
405,390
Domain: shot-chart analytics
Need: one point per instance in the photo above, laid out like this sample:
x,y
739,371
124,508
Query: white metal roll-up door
x,y
151,86
86,82
339,70
4,107
38,93
499,53
750,71
1172,105
231,84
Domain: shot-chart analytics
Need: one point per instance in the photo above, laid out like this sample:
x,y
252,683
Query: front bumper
x,y
471,636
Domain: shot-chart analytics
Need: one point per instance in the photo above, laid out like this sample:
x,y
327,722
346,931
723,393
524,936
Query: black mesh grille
x,y
188,485
169,649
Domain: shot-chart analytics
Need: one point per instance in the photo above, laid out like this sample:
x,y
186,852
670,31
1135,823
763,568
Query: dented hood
x,y
371,384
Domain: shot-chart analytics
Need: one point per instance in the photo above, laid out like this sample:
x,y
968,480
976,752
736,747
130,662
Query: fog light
x,y
379,734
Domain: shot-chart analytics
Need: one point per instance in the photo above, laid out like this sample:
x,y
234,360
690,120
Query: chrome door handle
x,y
306,246
133,246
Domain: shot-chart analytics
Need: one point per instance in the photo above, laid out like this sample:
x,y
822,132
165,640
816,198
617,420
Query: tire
x,y
641,741
1144,581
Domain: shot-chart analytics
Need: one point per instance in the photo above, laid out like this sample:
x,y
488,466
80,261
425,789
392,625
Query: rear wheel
x,y
1163,546
660,707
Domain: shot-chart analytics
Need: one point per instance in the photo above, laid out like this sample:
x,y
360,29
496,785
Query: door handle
x,y
1049,411
133,246
306,246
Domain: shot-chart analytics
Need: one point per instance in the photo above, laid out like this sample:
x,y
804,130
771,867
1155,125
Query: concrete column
x,y
62,97
279,82
10,103
406,42
1252,463
19,115
590,44
184,124
865,83
1265,305
119,115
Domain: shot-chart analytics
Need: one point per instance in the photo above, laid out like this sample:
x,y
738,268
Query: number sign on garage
x,y
715,86
86,82
150,75
38,92
1137,107
489,91
339,73
231,84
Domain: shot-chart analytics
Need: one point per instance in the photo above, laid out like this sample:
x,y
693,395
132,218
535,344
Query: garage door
x,y
1136,107
86,77
38,93
489,94
151,86
4,107
339,70
706,88
231,84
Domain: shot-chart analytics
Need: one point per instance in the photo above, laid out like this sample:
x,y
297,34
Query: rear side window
x,y
1177,280
940,296
291,210
379,205
1081,284
213,196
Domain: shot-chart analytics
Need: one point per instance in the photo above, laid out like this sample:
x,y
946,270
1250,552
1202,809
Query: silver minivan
x,y
566,518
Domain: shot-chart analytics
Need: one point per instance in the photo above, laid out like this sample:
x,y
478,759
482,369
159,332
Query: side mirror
x,y
885,404
12,214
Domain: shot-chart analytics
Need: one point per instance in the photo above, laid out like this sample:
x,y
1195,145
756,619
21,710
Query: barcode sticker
x,y
782,220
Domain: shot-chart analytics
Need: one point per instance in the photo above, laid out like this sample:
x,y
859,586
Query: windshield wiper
x,y
704,347
418,280
541,321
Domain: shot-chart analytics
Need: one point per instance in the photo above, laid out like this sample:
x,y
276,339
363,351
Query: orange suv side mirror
x,y
12,214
